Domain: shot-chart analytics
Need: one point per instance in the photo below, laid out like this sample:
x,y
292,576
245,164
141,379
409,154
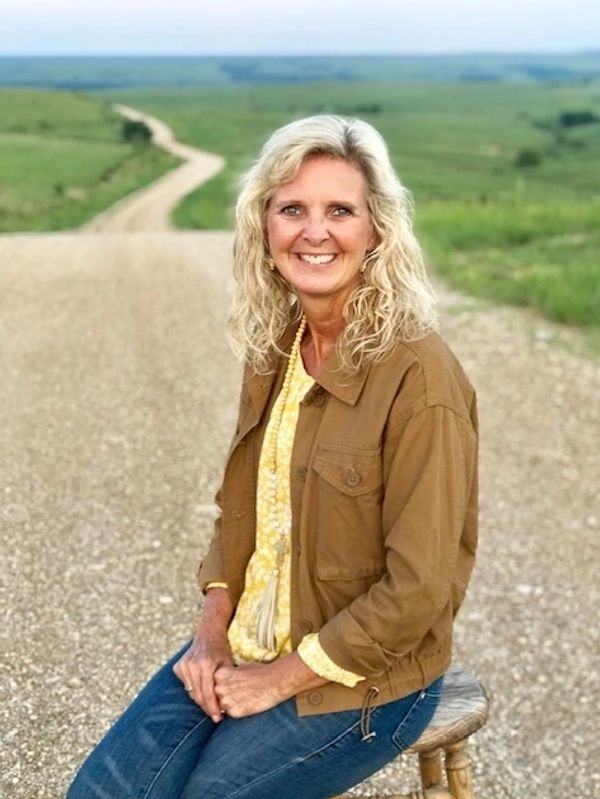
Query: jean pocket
x,y
418,715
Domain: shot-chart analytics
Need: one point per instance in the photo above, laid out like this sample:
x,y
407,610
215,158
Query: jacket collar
x,y
345,387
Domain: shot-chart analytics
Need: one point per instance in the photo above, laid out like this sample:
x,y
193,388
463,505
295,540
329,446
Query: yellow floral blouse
x,y
242,630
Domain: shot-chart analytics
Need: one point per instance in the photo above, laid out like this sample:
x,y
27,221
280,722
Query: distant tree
x,y
527,156
569,119
368,108
136,132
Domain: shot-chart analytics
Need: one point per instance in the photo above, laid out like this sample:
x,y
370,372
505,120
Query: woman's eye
x,y
339,210
290,210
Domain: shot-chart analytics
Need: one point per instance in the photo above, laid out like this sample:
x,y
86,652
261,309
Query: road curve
x,y
149,209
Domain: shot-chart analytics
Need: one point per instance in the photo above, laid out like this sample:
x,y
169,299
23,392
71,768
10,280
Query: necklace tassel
x,y
266,609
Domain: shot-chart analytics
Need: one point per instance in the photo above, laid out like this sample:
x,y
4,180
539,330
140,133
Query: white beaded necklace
x,y
266,608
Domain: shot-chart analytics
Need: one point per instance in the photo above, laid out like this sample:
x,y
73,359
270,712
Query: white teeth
x,y
317,259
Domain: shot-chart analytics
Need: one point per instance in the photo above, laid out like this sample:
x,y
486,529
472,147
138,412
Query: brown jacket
x,y
384,510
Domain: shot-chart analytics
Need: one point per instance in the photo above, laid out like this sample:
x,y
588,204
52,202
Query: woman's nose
x,y
315,229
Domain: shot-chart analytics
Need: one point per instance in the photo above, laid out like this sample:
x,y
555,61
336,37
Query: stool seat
x,y
463,709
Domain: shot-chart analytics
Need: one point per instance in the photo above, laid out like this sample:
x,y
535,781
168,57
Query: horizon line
x,y
437,54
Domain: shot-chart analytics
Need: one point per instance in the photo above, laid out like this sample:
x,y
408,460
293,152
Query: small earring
x,y
270,263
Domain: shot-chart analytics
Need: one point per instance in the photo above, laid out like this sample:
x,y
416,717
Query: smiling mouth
x,y
317,260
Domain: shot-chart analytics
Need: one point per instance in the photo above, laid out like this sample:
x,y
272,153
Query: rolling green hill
x,y
63,158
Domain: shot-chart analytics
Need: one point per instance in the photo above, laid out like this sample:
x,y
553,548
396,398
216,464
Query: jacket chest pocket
x,y
348,513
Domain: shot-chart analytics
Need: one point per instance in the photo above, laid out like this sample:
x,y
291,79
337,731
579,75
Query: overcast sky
x,y
295,27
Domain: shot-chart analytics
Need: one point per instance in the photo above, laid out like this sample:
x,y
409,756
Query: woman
x,y
348,506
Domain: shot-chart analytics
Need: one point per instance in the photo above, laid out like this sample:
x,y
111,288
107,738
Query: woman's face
x,y
319,228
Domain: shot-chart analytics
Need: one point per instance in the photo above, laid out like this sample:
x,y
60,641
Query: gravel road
x,y
119,394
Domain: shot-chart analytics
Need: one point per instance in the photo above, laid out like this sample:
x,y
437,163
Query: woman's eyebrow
x,y
283,203
345,203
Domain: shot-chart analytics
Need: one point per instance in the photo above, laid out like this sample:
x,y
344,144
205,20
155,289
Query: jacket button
x,y
352,477
307,626
315,698
319,399
302,471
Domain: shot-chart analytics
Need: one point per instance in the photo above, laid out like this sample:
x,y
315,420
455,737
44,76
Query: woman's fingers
x,y
197,675
183,672
208,698
179,670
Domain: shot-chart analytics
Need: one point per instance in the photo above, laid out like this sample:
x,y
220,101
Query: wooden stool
x,y
462,710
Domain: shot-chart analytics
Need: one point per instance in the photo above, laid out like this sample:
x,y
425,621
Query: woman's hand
x,y
254,687
209,652
247,689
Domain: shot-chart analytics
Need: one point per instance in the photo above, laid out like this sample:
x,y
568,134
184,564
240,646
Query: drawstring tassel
x,y
365,714
266,609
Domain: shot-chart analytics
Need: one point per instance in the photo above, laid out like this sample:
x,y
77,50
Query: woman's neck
x,y
322,331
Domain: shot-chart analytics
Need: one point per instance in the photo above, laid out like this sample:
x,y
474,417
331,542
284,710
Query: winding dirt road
x,y
149,208
118,395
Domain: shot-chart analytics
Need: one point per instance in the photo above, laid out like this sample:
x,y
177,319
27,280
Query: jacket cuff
x,y
210,570
358,652
315,657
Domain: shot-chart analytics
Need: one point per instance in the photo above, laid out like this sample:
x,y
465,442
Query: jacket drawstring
x,y
365,714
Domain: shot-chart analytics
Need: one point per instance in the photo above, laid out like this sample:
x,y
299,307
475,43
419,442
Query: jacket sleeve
x,y
211,568
431,467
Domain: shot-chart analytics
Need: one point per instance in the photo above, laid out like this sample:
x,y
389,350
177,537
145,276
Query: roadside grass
x,y
558,277
459,225
546,258
62,160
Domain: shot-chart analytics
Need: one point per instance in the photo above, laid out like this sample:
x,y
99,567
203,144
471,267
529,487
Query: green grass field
x,y
526,235
62,160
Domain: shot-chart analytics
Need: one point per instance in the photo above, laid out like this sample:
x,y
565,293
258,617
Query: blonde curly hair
x,y
394,299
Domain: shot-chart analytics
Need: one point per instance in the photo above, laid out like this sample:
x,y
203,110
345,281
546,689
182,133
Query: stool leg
x,y
430,766
458,771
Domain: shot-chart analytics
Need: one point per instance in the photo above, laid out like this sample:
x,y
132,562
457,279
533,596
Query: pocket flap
x,y
353,472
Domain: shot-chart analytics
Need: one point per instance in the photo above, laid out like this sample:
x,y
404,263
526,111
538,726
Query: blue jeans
x,y
165,747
